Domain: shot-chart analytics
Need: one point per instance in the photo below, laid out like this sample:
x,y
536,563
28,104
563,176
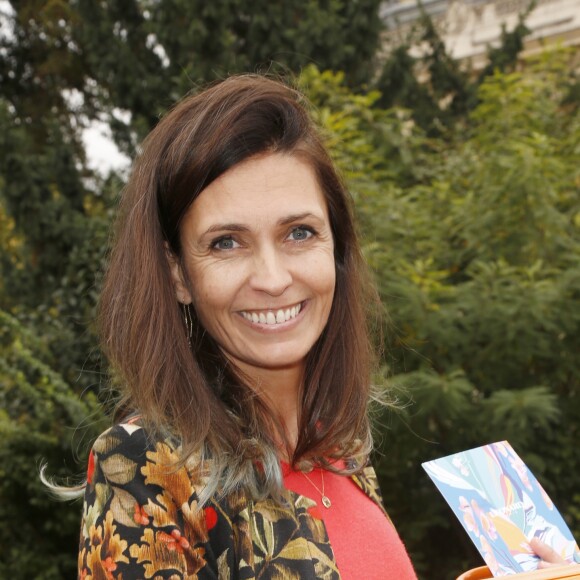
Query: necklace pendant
x,y
326,501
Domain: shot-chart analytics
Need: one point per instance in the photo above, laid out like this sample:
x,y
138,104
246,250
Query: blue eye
x,y
224,243
301,233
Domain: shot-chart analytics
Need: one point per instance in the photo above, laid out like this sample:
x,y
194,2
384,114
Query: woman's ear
x,y
181,292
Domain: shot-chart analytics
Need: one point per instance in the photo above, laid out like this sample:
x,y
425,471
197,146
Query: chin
x,y
276,361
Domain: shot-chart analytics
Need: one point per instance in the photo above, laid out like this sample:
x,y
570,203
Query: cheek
x,y
209,301
215,290
324,275
209,295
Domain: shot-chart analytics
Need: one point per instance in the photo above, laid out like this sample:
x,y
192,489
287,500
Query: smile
x,y
272,317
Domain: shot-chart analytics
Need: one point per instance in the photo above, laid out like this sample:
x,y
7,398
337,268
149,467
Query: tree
x,y
141,56
471,227
63,65
479,265
474,239
41,420
433,85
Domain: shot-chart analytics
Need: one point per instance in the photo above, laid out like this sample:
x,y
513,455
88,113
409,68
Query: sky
x,y
102,153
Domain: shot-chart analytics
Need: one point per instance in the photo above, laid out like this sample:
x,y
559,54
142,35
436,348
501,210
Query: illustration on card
x,y
502,506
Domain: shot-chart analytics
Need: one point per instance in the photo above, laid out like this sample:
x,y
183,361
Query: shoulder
x,y
128,452
142,515
367,480
130,439
120,434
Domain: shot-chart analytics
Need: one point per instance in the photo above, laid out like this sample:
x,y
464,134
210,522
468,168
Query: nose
x,y
270,272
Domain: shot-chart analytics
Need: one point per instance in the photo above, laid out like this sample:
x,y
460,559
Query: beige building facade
x,y
468,27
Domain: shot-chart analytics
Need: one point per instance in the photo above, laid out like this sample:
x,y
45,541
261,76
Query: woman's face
x,y
259,255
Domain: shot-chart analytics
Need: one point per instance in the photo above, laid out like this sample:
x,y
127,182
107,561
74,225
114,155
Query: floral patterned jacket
x,y
142,521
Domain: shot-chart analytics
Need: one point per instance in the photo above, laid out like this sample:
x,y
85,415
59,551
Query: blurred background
x,y
456,125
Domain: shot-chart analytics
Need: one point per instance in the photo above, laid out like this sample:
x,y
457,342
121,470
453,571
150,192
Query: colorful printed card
x,y
502,506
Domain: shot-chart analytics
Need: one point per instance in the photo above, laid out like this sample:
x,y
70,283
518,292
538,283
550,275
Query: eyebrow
x,y
296,218
233,227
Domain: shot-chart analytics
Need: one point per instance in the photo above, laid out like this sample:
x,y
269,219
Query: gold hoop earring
x,y
188,322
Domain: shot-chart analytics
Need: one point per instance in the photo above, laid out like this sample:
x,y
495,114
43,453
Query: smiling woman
x,y
258,267
233,310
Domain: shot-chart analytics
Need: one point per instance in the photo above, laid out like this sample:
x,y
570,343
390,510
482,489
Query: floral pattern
x,y
142,519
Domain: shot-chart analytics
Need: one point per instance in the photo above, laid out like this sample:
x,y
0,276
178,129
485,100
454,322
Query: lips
x,y
272,317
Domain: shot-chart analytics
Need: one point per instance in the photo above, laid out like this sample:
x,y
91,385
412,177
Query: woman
x,y
233,312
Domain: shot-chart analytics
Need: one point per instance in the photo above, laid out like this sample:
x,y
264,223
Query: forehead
x,y
259,190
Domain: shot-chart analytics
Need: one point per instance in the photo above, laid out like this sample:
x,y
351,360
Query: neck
x,y
280,389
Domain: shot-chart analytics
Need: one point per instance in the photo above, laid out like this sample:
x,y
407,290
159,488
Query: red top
x,y
364,542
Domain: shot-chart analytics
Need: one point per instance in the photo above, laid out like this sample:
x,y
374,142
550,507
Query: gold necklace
x,y
325,499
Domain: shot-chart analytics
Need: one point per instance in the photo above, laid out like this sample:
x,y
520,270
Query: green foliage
x,y
468,204
437,90
474,240
40,420
511,44
483,291
140,56
63,65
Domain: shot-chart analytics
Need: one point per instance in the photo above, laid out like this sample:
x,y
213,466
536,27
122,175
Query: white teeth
x,y
271,317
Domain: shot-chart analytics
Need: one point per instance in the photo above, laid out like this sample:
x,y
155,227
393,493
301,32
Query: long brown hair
x,y
193,392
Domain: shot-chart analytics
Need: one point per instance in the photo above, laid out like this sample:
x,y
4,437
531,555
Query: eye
x,y
301,233
224,243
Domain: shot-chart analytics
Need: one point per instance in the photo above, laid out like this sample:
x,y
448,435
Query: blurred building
x,y
468,27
